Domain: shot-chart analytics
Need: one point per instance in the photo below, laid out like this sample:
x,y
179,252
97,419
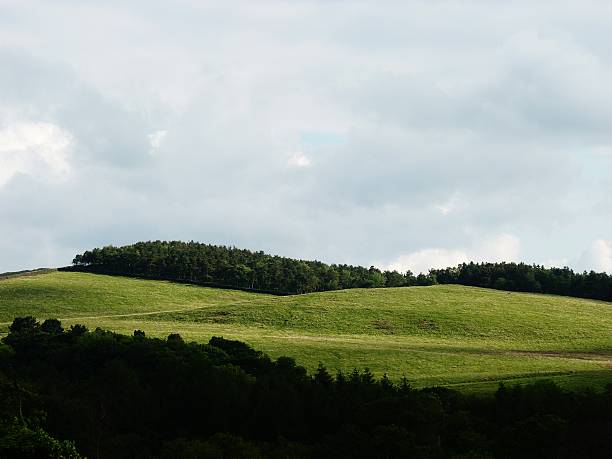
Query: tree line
x,y
72,392
230,267
521,277
234,268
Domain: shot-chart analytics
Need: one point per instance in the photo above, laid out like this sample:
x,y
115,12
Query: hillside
x,y
443,334
230,267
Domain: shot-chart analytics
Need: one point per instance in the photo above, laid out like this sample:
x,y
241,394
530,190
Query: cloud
x,y
156,139
104,131
504,247
299,159
598,257
312,130
423,260
453,204
36,149
556,263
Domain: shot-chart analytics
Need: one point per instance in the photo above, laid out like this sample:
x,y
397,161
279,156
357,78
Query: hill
x,y
230,267
442,334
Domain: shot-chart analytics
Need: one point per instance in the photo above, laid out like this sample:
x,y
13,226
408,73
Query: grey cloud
x,y
34,89
458,123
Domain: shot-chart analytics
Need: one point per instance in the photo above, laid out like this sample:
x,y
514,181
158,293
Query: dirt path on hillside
x,y
131,314
143,313
603,358
596,357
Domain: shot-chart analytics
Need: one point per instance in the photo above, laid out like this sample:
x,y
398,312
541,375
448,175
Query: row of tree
x,y
119,396
243,269
528,278
234,268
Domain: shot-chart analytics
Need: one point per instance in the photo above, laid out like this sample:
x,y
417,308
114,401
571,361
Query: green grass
x,y
459,336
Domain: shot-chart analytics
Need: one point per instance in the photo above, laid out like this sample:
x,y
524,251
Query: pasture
x,y
451,335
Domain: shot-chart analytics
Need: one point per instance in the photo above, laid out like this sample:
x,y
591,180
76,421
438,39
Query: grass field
x,y
459,336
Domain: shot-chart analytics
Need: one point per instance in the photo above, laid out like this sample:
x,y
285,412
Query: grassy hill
x,y
444,334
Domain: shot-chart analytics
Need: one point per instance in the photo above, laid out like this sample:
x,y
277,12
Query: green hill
x,y
443,334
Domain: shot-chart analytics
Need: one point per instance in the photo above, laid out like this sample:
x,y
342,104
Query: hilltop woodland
x,y
243,269
107,395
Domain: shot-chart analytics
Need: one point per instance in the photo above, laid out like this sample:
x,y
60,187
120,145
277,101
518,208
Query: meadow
x,y
464,337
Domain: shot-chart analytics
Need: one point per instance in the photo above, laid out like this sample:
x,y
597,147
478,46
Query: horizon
x,y
315,259
401,135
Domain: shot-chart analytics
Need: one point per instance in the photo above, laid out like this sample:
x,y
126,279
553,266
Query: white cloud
x,y
299,159
556,263
422,260
503,247
451,205
598,257
156,139
37,149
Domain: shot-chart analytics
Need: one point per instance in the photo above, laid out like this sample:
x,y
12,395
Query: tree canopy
x,y
118,396
231,267
521,277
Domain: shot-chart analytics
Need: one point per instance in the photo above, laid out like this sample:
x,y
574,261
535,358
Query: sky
x,y
404,135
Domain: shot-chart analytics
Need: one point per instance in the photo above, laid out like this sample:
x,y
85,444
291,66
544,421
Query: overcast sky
x,y
398,134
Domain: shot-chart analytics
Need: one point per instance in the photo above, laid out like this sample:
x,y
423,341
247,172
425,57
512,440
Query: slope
x,y
444,334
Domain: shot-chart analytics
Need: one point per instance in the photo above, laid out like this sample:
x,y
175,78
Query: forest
x,y
73,393
230,267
